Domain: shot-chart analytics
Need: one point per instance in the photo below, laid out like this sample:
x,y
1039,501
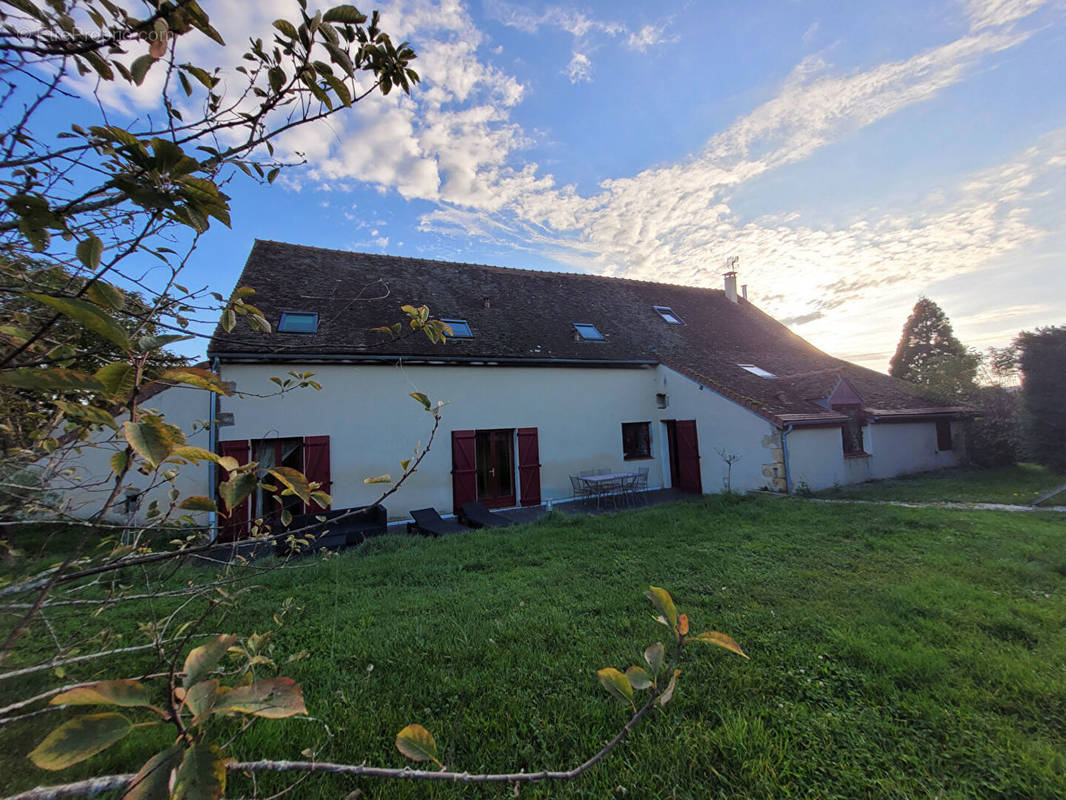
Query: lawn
x,y
1016,485
894,653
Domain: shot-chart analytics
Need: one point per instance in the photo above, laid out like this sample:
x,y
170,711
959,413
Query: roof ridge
x,y
811,373
494,267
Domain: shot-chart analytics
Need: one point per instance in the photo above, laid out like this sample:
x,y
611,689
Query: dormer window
x,y
588,331
298,322
460,329
754,370
668,314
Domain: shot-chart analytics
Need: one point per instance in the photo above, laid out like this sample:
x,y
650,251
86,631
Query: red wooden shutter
x,y
235,526
529,466
316,466
688,457
464,469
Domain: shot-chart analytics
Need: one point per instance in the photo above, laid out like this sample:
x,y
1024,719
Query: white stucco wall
x,y
816,458
85,477
721,424
373,424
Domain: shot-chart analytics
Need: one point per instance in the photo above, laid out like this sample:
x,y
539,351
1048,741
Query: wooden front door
x,y
494,456
684,455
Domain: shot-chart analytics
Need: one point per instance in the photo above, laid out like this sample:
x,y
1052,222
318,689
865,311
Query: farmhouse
x,y
544,375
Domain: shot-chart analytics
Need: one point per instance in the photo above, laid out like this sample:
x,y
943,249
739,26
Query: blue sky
x,y
853,155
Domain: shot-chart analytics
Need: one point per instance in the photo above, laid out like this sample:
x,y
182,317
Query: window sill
x,y
856,455
637,458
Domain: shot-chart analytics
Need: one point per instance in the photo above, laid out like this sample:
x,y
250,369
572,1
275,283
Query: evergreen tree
x,y
1042,358
929,354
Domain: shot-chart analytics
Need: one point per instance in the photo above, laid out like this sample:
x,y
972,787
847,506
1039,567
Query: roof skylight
x,y
460,328
588,331
298,322
668,314
754,370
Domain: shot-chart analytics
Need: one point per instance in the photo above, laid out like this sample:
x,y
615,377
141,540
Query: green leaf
x,y
122,692
89,251
104,294
664,604
322,499
148,343
118,462
50,380
234,491
197,503
720,639
421,398
638,678
117,379
201,775
152,781
195,376
139,68
88,315
79,738
665,697
152,439
417,744
616,684
200,699
656,657
345,14
201,660
273,698
276,75
90,414
294,480
386,478
287,29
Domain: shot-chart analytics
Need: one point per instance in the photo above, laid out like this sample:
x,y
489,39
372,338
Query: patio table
x,y
606,484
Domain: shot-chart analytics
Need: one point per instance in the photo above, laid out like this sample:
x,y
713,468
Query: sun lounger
x,y
478,516
429,523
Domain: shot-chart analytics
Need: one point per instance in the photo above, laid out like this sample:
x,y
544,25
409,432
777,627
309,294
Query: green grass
x,y
1016,485
895,653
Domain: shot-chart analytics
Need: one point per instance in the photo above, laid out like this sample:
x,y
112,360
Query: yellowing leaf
x,y
665,697
386,478
720,639
52,380
201,774
294,480
117,379
421,398
124,692
152,781
79,738
197,503
664,604
195,454
236,490
89,251
195,376
201,660
656,657
682,624
152,439
200,699
118,461
616,684
272,698
417,744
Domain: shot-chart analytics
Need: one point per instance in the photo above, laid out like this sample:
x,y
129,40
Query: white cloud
x,y
997,13
579,69
648,36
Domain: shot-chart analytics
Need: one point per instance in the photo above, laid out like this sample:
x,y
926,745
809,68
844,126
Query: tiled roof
x,y
522,316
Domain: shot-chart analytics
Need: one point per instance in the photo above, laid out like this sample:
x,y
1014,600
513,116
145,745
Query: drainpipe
x,y
212,471
784,452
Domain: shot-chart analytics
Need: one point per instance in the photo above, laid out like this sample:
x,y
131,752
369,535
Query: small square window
x,y
636,440
298,322
588,331
943,435
754,370
668,314
460,328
